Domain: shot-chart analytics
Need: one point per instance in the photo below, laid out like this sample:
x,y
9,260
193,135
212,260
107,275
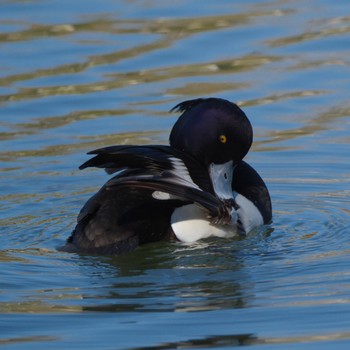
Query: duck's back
x,y
118,219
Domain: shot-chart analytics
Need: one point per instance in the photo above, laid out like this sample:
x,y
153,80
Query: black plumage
x,y
136,205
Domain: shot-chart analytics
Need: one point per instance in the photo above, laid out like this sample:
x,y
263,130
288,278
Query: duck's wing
x,y
120,157
152,159
163,170
166,186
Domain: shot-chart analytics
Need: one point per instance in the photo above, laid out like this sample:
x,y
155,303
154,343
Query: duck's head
x,y
217,133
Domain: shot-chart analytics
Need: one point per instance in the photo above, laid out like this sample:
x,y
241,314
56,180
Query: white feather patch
x,y
248,213
163,196
181,173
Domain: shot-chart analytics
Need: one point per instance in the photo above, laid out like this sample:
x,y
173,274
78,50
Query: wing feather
x,y
151,159
219,211
164,169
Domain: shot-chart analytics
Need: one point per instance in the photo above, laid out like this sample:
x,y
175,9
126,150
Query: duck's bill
x,y
221,179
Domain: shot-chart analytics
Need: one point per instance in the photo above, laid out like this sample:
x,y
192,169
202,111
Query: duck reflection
x,y
175,277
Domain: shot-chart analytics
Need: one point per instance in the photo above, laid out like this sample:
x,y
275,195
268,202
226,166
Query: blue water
x,y
77,75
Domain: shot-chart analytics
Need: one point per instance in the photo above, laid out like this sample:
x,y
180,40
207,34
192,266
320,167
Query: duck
x,y
196,187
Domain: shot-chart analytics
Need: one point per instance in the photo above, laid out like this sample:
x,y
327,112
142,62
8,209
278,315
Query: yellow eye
x,y
223,138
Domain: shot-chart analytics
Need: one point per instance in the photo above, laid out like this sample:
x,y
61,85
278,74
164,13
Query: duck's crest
x,y
187,105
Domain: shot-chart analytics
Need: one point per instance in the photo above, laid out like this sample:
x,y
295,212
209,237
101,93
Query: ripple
x,y
79,77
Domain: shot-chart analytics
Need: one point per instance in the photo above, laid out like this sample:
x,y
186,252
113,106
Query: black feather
x,y
150,159
218,210
187,105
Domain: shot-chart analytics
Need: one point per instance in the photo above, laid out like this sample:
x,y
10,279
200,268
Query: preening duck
x,y
197,187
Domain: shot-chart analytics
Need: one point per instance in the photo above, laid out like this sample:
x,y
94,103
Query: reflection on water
x,y
76,76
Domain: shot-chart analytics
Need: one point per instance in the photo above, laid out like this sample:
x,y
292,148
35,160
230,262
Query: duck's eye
x,y
223,138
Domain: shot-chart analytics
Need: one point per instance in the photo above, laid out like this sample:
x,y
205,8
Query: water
x,y
77,75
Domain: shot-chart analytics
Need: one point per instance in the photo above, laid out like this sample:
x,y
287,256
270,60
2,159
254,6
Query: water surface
x,y
79,75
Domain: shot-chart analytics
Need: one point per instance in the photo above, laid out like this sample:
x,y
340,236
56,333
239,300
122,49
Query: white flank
x,y
190,224
248,213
